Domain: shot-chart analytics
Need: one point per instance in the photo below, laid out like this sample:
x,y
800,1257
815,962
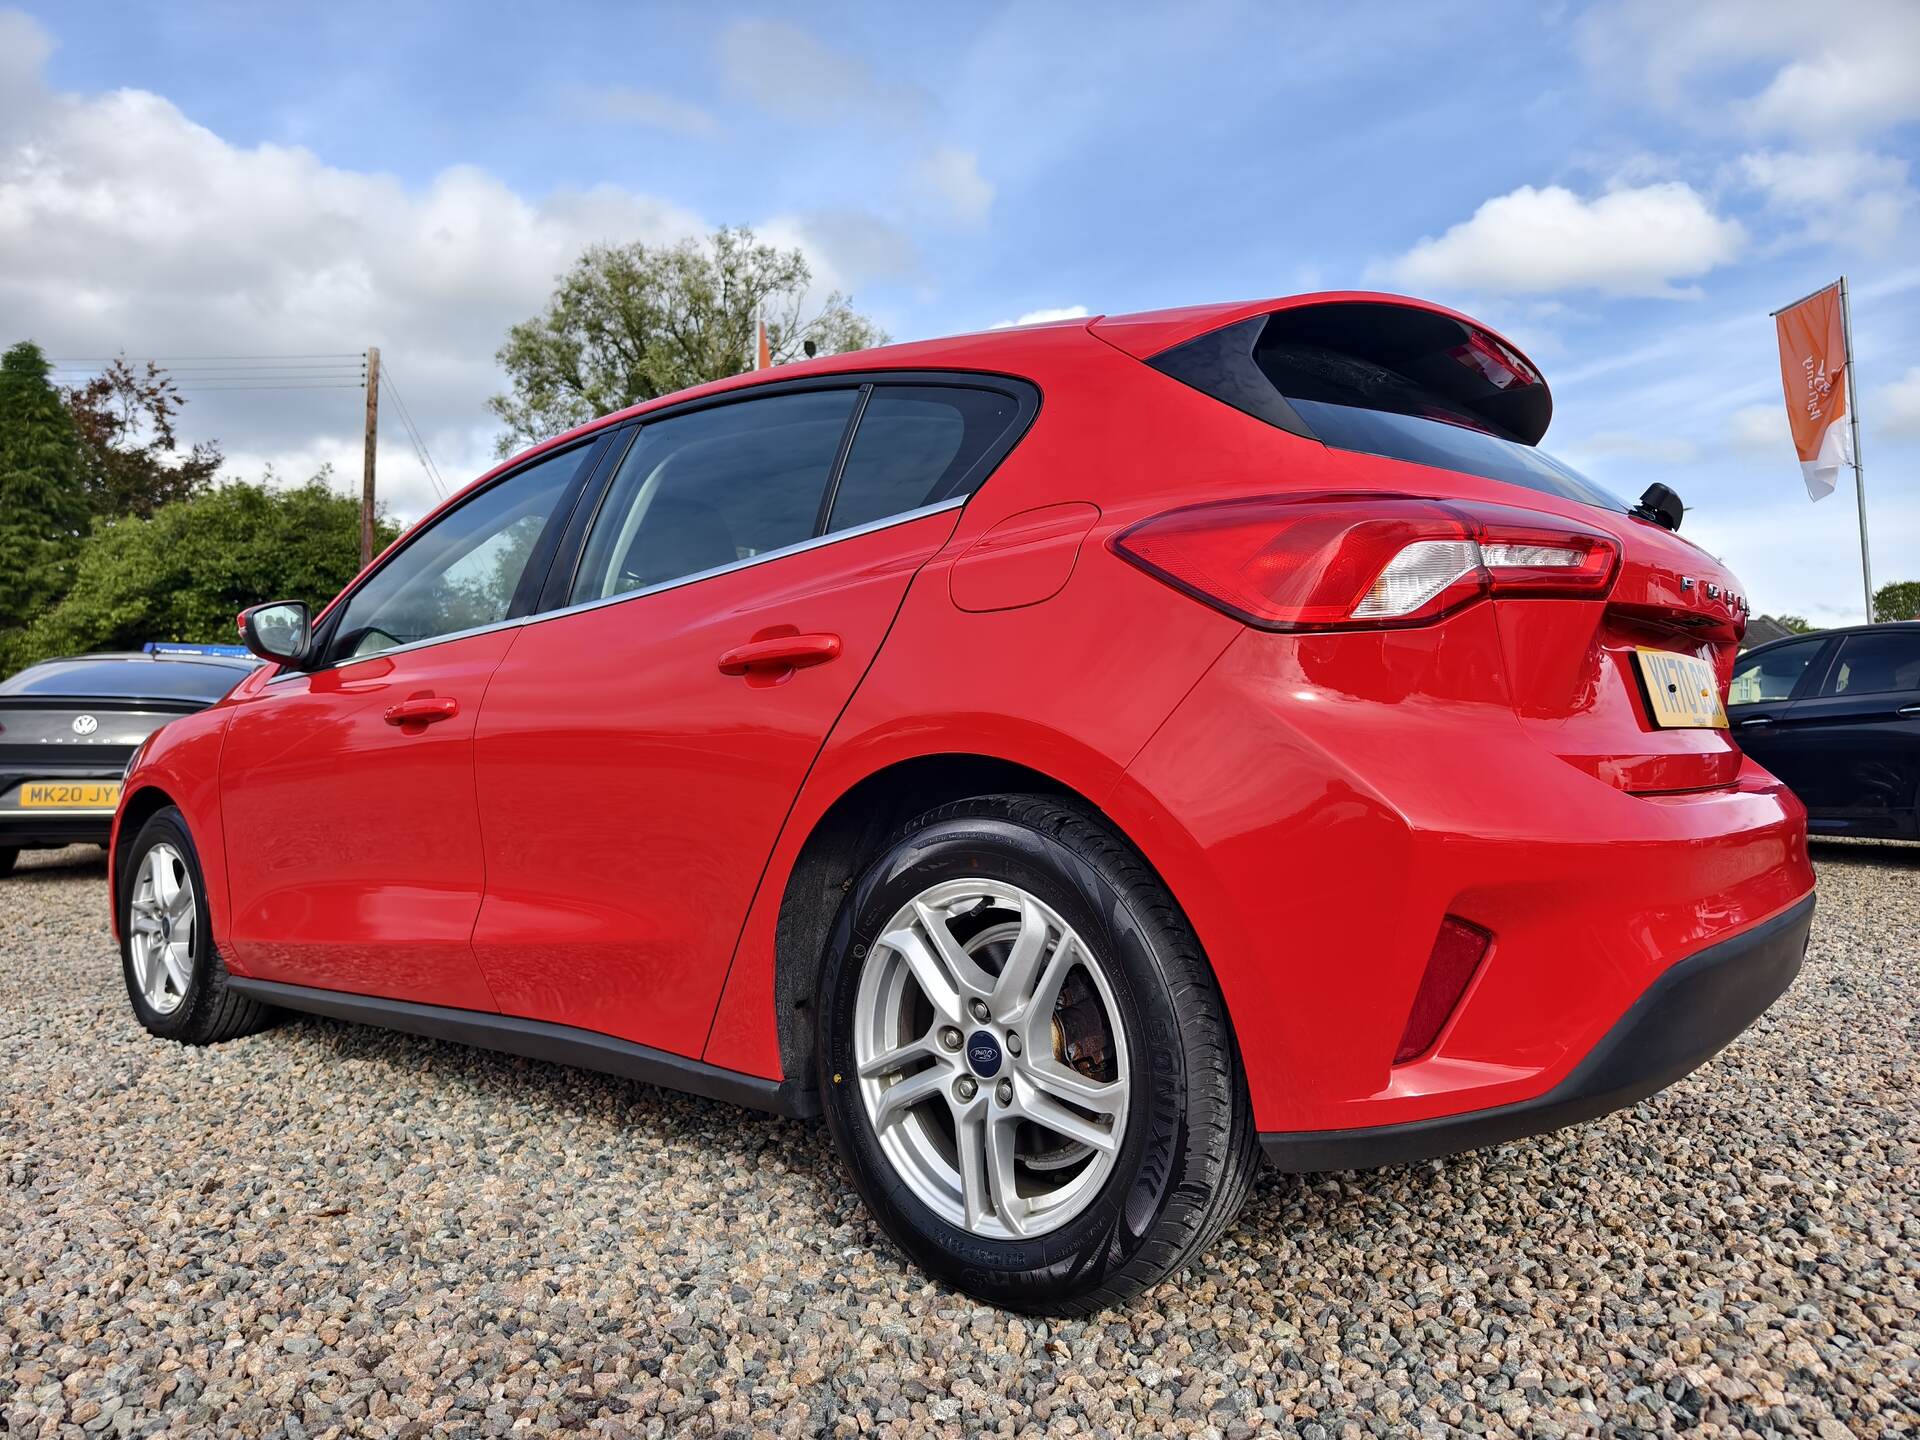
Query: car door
x,y
639,749
1852,742
1761,697
347,790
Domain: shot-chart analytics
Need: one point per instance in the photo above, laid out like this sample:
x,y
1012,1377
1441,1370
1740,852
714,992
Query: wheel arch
x,y
138,808
846,833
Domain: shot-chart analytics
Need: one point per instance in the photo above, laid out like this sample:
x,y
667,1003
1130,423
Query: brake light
x,y
1334,562
1457,952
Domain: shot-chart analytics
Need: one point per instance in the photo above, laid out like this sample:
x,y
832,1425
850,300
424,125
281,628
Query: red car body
x,y
604,832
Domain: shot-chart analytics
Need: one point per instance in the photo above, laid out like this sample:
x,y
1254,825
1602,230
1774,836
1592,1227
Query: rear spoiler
x,y
1445,352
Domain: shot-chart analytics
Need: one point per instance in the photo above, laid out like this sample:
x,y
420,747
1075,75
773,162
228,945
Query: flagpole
x,y
1859,476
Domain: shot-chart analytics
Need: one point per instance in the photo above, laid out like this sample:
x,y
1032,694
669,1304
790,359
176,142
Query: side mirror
x,y
281,632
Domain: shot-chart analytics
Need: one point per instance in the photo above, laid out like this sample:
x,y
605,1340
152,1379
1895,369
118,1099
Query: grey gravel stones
x,y
324,1231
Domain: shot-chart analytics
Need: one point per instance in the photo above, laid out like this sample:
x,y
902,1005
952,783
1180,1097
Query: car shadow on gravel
x,y
43,867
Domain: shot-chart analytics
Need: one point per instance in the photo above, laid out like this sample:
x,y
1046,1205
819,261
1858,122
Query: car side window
x,y
1875,664
1772,673
700,491
462,572
916,444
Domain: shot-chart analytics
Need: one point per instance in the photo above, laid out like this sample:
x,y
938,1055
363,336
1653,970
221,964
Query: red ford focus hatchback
x,y
1078,760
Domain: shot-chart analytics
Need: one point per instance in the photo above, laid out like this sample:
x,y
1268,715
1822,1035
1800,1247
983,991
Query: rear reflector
x,y
1334,562
1457,952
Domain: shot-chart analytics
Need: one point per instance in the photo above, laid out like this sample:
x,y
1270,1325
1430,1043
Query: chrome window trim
x,y
540,616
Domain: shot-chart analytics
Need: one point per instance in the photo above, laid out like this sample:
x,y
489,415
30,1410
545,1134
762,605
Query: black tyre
x,y
1025,1061
174,974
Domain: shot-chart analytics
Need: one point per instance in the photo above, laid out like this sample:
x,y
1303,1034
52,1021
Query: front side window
x,y
1772,673
462,572
1875,664
916,444
710,489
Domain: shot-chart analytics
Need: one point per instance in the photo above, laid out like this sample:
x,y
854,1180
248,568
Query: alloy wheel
x,y
161,923
992,1063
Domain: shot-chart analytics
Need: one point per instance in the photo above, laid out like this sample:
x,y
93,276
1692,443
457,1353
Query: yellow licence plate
x,y
1683,690
60,795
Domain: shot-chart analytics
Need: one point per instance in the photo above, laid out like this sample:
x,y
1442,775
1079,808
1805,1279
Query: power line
x,y
413,432
163,360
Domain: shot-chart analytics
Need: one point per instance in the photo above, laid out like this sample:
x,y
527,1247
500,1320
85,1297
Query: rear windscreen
x,y
133,677
1393,381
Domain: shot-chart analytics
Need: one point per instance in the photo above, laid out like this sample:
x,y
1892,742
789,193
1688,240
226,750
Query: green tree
x,y
187,571
1898,601
630,322
42,511
1792,624
130,461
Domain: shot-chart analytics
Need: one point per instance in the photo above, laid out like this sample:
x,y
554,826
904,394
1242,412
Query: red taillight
x,y
1333,562
1457,952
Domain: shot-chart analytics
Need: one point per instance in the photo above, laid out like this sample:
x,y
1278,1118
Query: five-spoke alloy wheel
x,y
1024,1104
174,974
991,1062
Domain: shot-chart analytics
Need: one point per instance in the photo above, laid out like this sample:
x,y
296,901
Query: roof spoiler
x,y
1438,349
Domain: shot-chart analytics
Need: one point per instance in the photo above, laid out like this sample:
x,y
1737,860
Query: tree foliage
x,y
1792,624
1898,601
631,322
129,452
185,572
42,513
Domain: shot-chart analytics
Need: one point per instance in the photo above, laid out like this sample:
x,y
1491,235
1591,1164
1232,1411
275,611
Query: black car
x,y
1837,717
68,728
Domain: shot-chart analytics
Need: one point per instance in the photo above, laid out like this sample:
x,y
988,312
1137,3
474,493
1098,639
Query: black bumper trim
x,y
542,1040
1683,1019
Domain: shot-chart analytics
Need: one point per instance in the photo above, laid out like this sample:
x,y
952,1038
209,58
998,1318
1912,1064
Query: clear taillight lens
x,y
1331,562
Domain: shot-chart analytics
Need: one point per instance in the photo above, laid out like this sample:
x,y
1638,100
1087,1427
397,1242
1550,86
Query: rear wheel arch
x,y
845,837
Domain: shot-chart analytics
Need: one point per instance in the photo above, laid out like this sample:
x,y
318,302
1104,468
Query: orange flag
x,y
1813,370
762,360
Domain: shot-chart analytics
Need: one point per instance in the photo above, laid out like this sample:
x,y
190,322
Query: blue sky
x,y
1626,189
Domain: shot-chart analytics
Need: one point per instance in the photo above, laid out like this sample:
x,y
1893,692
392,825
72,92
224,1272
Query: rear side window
x,y
1771,674
1388,380
700,491
917,444
1875,664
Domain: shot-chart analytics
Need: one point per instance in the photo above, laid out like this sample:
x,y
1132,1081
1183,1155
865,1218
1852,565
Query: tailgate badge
x,y
85,724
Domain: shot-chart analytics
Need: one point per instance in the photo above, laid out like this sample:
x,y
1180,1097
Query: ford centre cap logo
x,y
983,1054
85,724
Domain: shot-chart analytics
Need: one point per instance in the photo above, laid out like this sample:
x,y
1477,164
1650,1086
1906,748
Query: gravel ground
x,y
322,1230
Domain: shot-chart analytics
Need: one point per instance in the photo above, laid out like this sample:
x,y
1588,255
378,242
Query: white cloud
x,y
951,177
787,72
654,109
1047,316
1894,409
1844,195
1761,429
1844,67
1631,240
125,226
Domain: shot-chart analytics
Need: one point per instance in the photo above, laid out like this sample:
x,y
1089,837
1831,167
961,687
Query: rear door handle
x,y
1908,710
782,652
422,710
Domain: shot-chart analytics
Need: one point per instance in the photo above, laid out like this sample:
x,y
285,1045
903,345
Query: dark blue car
x,y
1837,717
68,728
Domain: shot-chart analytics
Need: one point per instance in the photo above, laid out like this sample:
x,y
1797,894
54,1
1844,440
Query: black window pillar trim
x,y
1220,364
832,491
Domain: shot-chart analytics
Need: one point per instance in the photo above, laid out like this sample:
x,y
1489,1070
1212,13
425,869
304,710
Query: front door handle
x,y
1756,720
1908,710
781,652
422,710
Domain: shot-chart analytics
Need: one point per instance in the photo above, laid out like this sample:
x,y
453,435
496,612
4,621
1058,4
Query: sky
x,y
1625,189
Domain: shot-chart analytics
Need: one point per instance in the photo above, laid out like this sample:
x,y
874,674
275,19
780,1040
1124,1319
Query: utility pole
x,y
366,471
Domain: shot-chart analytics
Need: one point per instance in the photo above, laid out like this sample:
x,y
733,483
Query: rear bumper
x,y
1683,1019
